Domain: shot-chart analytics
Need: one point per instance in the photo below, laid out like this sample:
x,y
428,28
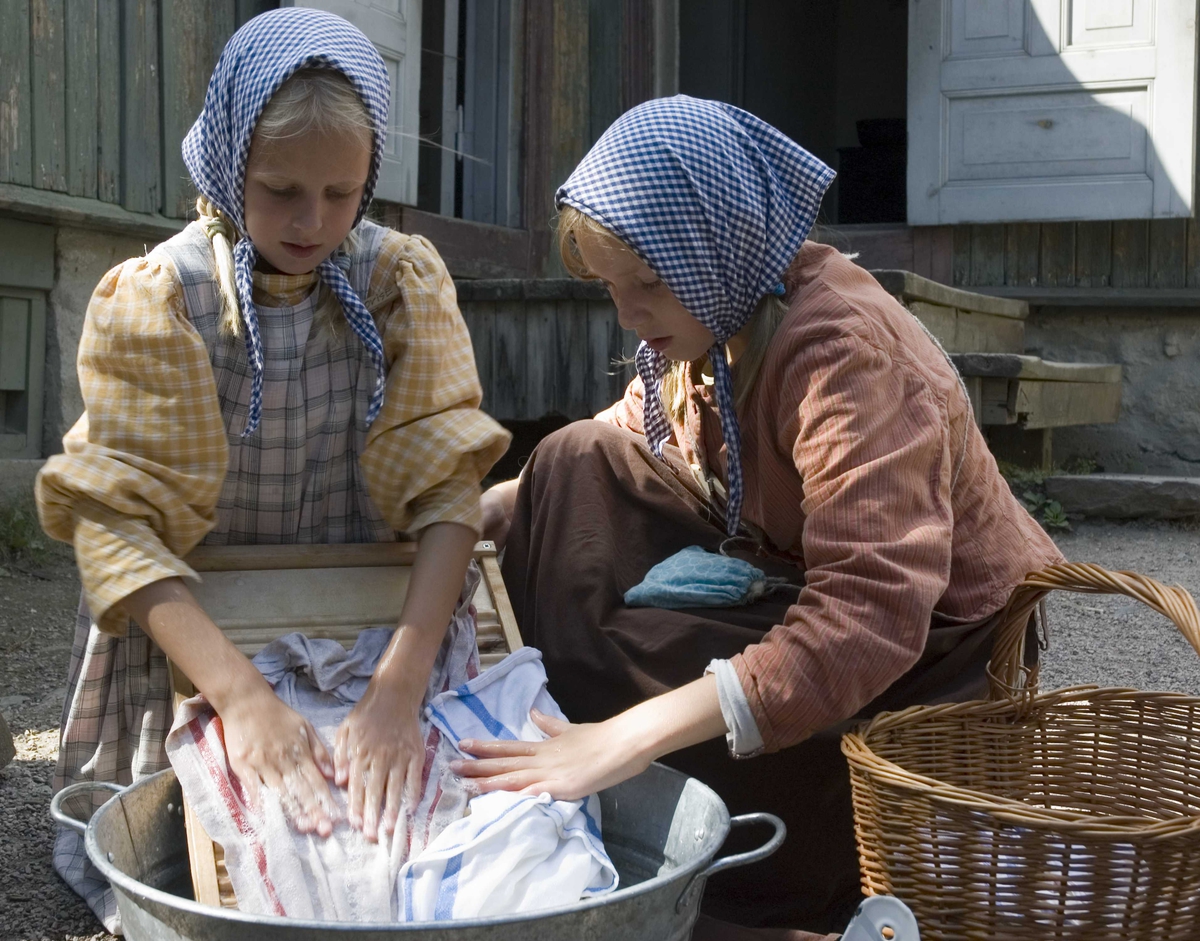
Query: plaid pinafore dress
x,y
296,480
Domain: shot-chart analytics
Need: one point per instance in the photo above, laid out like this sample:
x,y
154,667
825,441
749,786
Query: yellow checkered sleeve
x,y
431,446
142,469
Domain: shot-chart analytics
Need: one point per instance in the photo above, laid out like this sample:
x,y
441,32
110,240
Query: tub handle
x,y
739,859
62,817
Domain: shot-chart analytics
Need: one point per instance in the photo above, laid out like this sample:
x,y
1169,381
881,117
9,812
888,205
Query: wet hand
x,y
379,756
575,761
269,744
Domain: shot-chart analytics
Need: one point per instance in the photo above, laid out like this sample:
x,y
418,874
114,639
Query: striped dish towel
x,y
514,853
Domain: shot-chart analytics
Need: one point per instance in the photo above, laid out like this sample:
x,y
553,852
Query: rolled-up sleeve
x,y
870,442
136,486
431,445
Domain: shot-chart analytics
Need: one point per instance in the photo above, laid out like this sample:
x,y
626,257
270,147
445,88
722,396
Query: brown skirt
x,y
595,510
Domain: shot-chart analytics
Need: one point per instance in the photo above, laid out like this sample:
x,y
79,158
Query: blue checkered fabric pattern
x,y
717,202
260,57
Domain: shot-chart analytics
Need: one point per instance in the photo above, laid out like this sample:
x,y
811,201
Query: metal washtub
x,y
661,829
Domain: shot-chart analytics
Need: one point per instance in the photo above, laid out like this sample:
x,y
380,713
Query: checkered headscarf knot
x,y
260,57
717,203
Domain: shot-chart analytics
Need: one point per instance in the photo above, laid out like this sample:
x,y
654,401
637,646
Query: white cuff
x,y
743,737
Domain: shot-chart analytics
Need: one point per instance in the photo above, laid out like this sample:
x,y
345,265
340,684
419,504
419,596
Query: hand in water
x,y
272,745
577,760
379,757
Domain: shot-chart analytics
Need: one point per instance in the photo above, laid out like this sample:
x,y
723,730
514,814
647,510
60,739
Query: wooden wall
x,y
1137,253
545,347
96,95
586,62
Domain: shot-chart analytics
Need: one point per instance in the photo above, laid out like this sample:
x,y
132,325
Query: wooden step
x,y
962,321
1007,389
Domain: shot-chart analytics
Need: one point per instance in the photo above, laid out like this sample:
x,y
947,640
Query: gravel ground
x,y
1108,641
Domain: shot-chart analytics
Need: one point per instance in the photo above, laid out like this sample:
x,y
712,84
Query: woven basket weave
x,y
1066,815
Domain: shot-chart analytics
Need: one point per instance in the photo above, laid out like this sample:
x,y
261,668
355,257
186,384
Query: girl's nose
x,y
629,316
308,217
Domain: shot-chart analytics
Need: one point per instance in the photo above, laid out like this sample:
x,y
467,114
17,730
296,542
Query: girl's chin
x,y
283,262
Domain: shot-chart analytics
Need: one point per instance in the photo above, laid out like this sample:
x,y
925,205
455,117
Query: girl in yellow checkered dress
x,y
282,371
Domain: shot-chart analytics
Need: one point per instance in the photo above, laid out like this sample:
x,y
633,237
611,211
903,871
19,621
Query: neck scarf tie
x,y
717,203
259,58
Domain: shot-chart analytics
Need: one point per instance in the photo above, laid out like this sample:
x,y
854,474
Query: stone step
x,y
1126,496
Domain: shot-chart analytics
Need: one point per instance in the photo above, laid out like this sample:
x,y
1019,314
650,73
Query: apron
x,y
296,480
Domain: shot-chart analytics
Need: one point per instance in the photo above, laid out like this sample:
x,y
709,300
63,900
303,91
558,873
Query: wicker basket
x,y
1065,815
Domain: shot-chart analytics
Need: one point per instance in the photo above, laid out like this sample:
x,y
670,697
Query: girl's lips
x,y
299,251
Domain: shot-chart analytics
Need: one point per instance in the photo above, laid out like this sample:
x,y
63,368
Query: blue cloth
x,y
260,57
717,202
697,578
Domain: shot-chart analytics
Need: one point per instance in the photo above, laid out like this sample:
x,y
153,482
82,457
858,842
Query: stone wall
x,y
82,256
1159,350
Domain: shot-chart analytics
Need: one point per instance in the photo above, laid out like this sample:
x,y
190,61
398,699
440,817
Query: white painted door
x,y
394,27
1032,110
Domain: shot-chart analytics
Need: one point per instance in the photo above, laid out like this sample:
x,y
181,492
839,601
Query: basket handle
x,y
1011,679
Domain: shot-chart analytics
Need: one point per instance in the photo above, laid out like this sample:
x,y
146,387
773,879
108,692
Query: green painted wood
x,y
16,116
1057,267
108,95
49,65
34,205
21,408
1021,245
82,98
186,67
14,343
1168,253
141,149
26,254
1093,254
1131,254
987,254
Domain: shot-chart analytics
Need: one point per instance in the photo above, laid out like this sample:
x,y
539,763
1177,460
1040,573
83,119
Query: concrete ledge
x,y
1126,496
16,478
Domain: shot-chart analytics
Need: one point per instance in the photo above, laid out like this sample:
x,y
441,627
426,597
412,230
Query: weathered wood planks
x,y
48,79
1036,403
545,347
82,98
96,95
1158,254
16,114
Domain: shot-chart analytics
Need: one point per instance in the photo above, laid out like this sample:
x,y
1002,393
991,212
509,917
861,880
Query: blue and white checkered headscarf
x,y
717,202
260,57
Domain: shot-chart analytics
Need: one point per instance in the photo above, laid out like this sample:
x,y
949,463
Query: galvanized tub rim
x,y
686,875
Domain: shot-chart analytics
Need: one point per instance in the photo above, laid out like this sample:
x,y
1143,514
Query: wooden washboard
x,y
258,593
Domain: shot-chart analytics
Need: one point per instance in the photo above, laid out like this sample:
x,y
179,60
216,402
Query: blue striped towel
x,y
513,853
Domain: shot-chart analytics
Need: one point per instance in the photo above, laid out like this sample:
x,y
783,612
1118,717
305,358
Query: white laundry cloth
x,y
273,868
514,853
278,871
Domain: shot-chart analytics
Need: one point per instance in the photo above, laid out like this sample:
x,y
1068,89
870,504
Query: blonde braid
x,y
222,236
